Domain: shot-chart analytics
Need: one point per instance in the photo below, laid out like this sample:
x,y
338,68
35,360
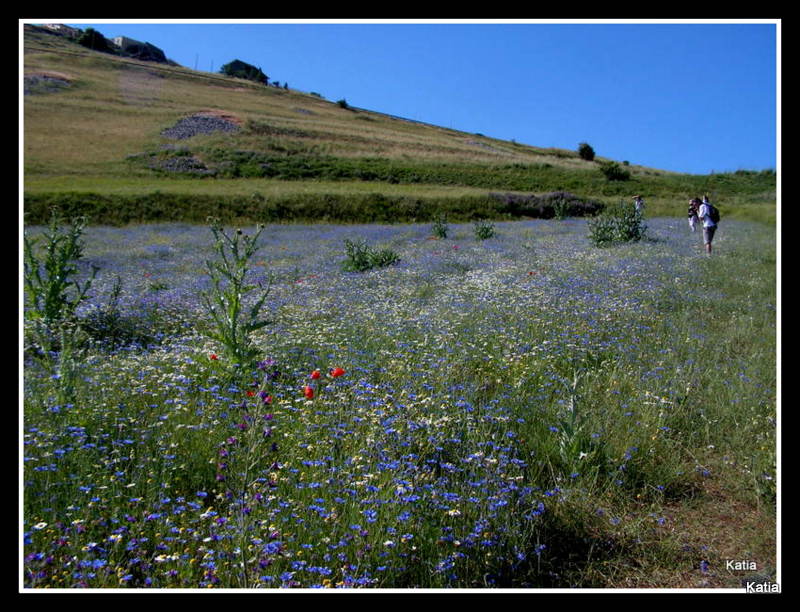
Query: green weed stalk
x,y
233,321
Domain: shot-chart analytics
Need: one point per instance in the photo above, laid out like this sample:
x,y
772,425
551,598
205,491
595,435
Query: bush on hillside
x,y
243,70
614,172
92,39
586,151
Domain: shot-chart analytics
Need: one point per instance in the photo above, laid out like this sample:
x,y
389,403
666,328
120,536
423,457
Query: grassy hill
x,y
94,143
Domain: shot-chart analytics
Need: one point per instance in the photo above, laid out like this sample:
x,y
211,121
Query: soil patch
x,y
724,543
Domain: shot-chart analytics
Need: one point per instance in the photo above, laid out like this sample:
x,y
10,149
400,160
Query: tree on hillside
x,y
243,70
586,151
94,40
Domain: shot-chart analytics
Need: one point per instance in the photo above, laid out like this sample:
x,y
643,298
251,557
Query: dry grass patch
x,y
701,535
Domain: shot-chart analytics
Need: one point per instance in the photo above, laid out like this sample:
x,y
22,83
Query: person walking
x,y
706,213
638,203
694,209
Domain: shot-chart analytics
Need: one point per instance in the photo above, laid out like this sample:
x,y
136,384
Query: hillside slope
x,y
113,130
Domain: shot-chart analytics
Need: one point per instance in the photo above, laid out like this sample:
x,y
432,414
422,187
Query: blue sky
x,y
688,97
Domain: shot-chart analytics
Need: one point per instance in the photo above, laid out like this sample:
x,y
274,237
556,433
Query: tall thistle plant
x,y
53,293
440,227
232,321
50,276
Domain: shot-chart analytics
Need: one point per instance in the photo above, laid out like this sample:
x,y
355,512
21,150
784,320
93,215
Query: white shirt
x,y
703,214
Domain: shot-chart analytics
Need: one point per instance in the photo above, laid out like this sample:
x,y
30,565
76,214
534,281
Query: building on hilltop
x,y
66,30
139,50
123,41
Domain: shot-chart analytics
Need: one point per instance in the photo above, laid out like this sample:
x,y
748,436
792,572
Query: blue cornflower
x,y
273,547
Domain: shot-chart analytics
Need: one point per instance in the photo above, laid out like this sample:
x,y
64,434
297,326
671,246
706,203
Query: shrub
x,y
561,208
94,40
586,151
618,223
342,103
361,257
614,172
483,229
547,205
440,228
384,257
243,70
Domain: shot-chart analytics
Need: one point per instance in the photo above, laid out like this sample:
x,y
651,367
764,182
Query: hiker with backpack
x,y
694,208
710,217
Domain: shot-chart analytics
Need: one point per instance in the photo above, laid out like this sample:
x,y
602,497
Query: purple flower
x,y
263,365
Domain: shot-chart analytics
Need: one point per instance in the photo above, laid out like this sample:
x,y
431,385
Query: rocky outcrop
x,y
43,83
199,124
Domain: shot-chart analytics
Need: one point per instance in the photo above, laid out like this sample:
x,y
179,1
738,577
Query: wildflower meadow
x,y
239,408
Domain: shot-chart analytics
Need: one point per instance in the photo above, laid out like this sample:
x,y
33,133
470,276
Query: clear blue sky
x,y
687,97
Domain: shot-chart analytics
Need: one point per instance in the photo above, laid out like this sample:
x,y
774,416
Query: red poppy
x,y
315,375
336,372
213,357
250,393
308,391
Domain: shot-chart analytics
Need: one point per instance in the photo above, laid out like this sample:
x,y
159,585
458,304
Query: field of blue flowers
x,y
467,417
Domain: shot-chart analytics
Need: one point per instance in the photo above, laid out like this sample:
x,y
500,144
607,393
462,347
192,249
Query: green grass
x,y
130,186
